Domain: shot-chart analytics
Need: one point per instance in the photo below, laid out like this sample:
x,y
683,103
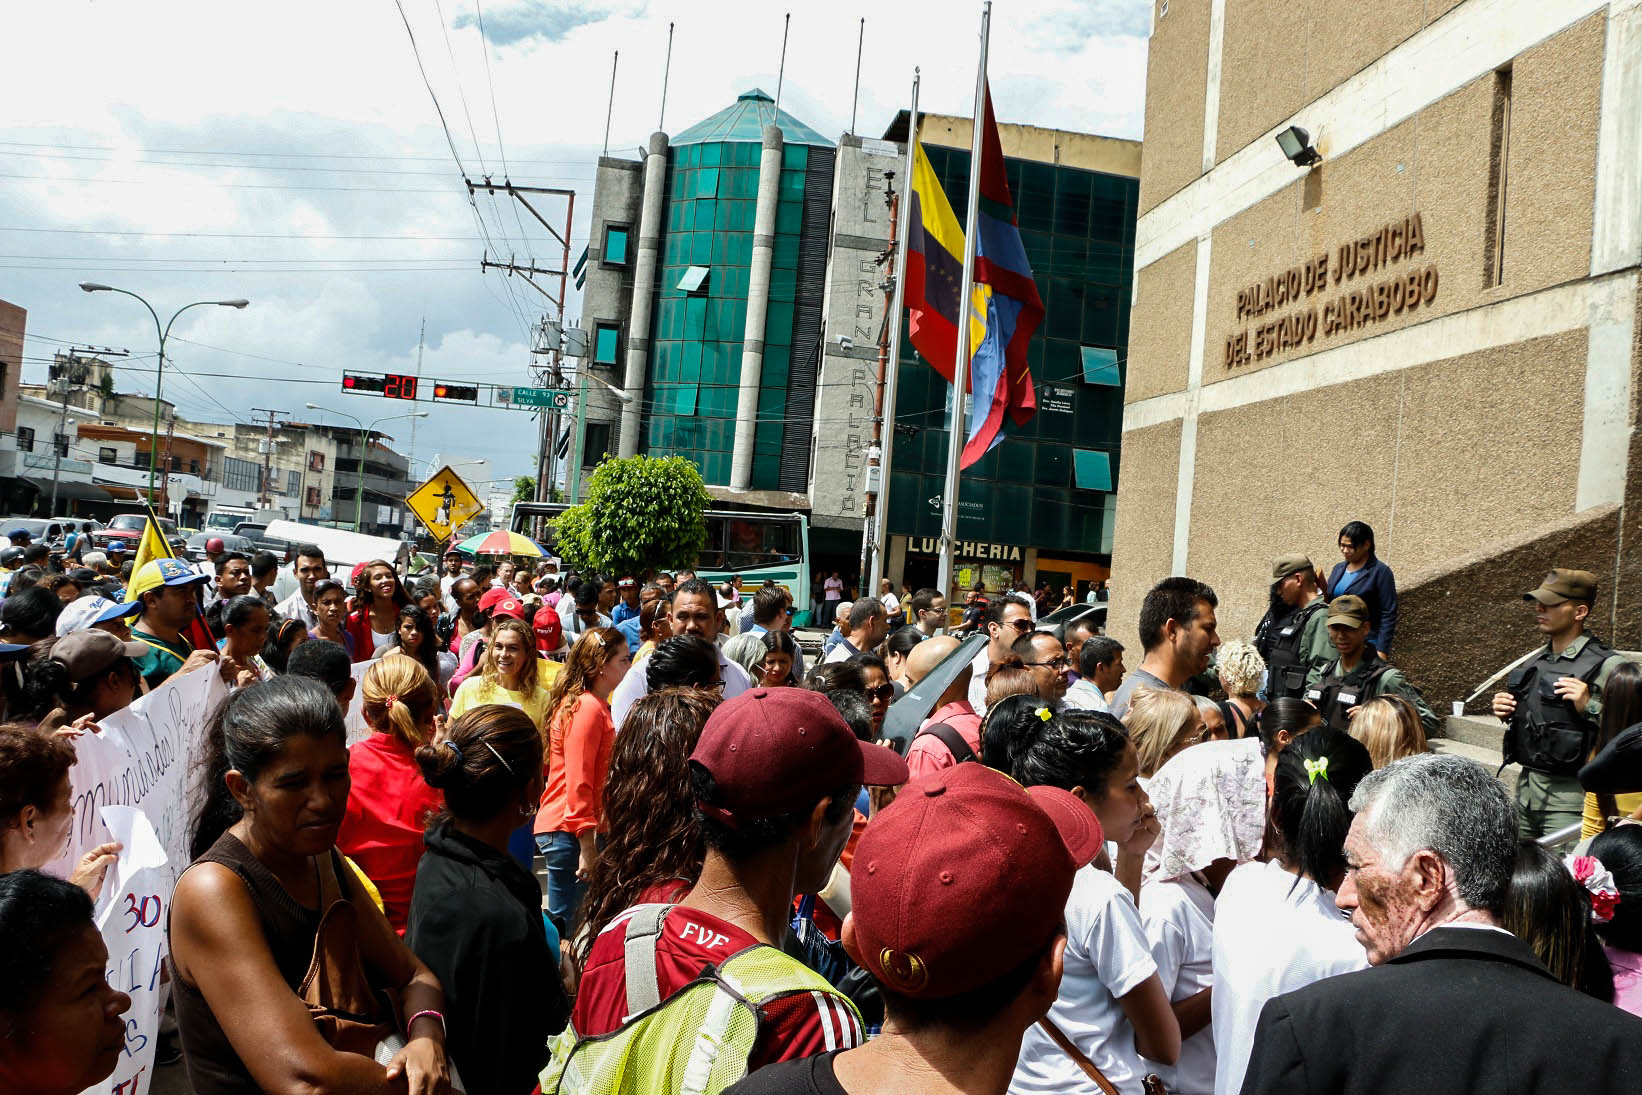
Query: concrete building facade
x,y
1434,329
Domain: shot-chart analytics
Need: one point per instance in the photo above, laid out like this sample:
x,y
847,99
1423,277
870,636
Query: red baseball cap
x,y
549,629
214,544
964,877
493,596
772,751
358,569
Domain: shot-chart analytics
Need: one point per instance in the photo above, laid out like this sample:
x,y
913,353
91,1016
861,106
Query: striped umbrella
x,y
501,543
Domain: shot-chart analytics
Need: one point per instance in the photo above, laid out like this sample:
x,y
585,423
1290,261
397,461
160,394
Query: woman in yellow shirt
x,y
510,673
1621,707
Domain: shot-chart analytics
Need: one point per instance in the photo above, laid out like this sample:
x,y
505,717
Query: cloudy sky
x,y
291,154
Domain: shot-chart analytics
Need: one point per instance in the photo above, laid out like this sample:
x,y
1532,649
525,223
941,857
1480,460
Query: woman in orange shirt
x,y
580,733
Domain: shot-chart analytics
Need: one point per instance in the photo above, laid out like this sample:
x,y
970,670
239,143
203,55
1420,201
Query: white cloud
x,y
249,132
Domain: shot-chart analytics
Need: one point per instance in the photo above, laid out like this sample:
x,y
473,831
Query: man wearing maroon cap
x,y
958,890
775,774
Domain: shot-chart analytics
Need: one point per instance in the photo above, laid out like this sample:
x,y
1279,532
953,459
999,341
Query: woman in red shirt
x,y
379,596
390,803
580,733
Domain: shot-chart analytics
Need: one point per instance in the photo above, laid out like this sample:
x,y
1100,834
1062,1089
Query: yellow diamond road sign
x,y
444,503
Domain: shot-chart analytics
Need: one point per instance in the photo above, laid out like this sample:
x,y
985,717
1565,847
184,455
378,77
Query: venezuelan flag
x,y
1005,305
935,268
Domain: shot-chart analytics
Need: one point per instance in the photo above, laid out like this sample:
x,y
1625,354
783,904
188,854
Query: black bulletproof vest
x,y
1286,670
1336,694
1546,733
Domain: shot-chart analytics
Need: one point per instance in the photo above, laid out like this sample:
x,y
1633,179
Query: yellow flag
x,y
151,546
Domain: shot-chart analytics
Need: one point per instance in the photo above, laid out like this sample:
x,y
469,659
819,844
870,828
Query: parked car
x,y
48,530
126,529
1059,620
257,533
230,542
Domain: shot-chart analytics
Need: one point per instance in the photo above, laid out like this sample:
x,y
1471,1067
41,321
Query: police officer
x,y
1300,642
1552,704
1359,674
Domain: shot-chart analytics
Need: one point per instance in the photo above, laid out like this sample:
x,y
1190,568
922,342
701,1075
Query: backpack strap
x,y
948,735
639,955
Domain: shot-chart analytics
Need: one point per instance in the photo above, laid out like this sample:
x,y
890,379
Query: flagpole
x,y
960,365
886,442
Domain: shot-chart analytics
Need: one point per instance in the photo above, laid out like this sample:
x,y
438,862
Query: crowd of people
x,y
614,834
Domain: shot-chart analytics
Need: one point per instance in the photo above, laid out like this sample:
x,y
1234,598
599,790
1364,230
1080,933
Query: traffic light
x,y
361,385
460,393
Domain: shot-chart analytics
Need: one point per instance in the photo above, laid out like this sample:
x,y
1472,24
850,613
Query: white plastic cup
x,y
1459,709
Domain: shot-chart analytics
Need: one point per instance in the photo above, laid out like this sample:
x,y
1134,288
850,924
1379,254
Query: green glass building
x,y
702,294
1051,485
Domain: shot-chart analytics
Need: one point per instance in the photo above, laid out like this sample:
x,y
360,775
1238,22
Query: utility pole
x,y
267,452
872,566
69,371
421,340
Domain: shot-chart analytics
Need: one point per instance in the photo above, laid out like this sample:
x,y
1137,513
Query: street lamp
x,y
364,439
577,455
159,368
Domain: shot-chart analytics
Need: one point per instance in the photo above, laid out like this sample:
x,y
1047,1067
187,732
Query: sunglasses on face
x,y
884,692
1023,626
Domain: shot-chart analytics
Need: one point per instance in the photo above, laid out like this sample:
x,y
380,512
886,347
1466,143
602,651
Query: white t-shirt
x,y
1106,959
977,680
380,639
1178,916
1273,933
892,604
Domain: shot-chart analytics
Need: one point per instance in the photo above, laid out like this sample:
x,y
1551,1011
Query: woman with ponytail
x,y
1289,897
246,916
476,917
580,733
1111,1004
390,804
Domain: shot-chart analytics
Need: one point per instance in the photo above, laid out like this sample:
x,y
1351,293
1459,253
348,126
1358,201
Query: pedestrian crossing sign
x,y
444,503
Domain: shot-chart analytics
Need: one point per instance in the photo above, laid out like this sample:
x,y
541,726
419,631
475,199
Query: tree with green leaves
x,y
524,489
642,513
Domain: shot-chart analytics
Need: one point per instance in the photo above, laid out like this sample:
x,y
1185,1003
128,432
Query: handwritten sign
x,y
137,782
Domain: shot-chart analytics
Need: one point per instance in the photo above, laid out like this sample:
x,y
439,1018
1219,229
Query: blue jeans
x,y
561,852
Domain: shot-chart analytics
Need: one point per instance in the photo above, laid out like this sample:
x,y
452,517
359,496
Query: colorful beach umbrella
x,y
501,543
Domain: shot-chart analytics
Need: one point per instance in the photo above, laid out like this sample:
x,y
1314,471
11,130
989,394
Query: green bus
x,y
757,546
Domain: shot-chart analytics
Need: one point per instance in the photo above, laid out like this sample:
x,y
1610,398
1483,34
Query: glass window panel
x,y
705,216
1100,366
615,244
778,322
710,154
792,186
1091,470
789,218
1064,308
695,318
706,183
701,248
1072,203
1054,465
1101,312
693,278
795,156
605,338
786,253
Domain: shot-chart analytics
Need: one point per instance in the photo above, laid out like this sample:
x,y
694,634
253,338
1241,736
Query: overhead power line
x,y
280,155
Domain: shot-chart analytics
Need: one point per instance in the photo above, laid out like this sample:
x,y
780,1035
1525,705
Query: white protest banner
x,y
147,758
358,728
133,928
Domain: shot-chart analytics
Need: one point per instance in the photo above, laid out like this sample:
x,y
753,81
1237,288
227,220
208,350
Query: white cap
x,y
86,612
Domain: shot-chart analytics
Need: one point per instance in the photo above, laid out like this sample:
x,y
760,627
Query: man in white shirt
x,y
867,629
695,612
452,575
309,568
586,613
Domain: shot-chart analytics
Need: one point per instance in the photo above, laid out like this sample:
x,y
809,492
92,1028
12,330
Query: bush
x,y
641,513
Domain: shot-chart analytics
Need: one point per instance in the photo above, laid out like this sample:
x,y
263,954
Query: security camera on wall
x,y
845,342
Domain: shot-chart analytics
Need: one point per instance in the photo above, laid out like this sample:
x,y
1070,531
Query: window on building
x,y
1091,469
240,474
1100,367
597,444
61,441
293,482
313,496
606,336
694,279
107,455
193,467
316,460
615,245
25,439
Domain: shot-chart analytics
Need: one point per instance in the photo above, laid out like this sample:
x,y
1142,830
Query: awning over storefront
x,y
68,490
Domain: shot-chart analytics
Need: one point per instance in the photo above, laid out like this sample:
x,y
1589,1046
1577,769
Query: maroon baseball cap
x,y
964,877
494,596
772,751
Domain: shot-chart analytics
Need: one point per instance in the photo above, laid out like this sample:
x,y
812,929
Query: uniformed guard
x,y
1359,674
1300,642
1552,704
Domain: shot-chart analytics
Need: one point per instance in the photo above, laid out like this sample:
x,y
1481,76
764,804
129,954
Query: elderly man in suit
x,y
1451,1002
